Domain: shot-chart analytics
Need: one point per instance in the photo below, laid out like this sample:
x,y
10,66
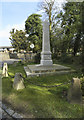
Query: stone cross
x,y
46,53
5,70
74,93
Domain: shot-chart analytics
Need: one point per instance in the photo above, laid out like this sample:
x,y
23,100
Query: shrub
x,y
82,85
66,58
37,58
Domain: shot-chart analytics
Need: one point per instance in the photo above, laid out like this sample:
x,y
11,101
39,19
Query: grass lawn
x,y
40,102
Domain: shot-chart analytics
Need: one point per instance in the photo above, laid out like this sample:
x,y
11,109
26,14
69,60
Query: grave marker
x,y
74,93
5,70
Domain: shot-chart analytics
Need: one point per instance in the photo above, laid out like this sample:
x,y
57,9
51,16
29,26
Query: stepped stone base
x,y
32,70
46,62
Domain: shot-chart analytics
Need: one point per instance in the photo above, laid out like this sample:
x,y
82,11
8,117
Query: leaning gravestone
x,y
5,70
18,82
74,93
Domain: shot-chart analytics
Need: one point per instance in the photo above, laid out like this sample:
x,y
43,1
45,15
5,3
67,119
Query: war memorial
x,y
46,65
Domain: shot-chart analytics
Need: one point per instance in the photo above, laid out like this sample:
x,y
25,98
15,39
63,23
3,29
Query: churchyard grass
x,y
40,102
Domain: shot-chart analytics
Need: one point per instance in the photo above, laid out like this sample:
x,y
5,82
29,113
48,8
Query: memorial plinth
x,y
38,70
46,65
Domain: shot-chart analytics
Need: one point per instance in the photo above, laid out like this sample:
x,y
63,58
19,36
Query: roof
x,y
2,47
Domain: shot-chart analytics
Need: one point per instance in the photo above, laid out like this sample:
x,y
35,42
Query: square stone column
x,y
46,53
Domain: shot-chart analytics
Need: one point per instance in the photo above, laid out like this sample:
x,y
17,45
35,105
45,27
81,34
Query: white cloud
x,y
19,26
40,12
5,33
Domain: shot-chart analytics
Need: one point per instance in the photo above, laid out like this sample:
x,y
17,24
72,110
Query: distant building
x,y
6,49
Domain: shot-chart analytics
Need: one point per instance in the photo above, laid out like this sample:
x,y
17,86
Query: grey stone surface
x,y
18,82
74,93
28,72
46,53
0,113
10,61
6,112
9,111
22,56
38,70
53,68
4,106
4,56
16,115
0,104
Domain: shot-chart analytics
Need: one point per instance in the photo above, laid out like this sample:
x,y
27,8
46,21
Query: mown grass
x,y
40,102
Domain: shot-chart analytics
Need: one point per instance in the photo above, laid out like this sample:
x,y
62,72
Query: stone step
x,y
41,69
29,73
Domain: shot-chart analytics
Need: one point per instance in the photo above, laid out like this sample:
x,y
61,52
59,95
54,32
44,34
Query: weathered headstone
x,y
5,70
18,82
74,93
46,53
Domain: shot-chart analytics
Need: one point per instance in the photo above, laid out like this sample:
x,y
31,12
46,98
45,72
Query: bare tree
x,y
49,8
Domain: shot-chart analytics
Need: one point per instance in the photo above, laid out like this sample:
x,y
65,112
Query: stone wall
x,y
13,56
4,56
22,56
28,56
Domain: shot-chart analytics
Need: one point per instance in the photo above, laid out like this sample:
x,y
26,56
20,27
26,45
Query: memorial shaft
x,y
46,53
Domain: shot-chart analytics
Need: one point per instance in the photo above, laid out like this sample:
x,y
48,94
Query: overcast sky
x,y
13,14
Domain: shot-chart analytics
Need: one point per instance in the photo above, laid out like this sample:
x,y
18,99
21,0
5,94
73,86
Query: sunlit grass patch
x,y
37,101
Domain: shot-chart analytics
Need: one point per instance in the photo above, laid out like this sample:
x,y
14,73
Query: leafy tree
x,y
71,25
19,40
33,27
82,39
57,40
